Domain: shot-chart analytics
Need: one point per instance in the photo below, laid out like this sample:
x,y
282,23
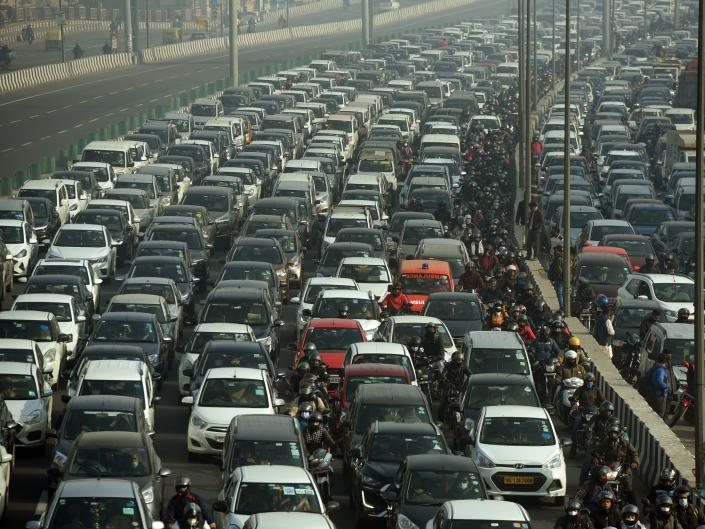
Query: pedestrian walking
x,y
534,222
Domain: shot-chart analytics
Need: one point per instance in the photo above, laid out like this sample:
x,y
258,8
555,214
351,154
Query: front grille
x,y
499,477
215,445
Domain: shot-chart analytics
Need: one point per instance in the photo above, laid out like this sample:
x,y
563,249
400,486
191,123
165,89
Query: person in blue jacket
x,y
661,384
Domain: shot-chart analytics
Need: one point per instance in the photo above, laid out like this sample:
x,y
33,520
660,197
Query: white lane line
x,y
108,114
83,101
42,503
128,89
34,116
113,93
144,84
94,120
139,105
8,149
67,106
44,138
78,126
63,131
97,97
26,143
51,111
15,121
122,110
154,100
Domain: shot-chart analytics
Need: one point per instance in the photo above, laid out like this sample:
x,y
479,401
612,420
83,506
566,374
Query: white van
x,y
54,190
345,123
118,154
439,140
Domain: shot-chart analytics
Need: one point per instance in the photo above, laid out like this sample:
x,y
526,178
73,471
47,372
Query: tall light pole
x,y
61,18
526,111
646,23
699,248
146,22
606,28
534,69
128,26
566,166
553,45
523,107
232,32
577,35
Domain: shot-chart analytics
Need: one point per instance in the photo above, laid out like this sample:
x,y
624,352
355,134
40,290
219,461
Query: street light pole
x,y
553,46
535,70
578,55
566,166
232,32
528,104
146,22
128,26
699,257
61,30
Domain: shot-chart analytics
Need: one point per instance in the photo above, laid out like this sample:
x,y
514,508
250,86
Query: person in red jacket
x,y
396,302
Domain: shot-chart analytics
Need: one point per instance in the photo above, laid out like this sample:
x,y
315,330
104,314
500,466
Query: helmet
x,y
316,416
430,326
314,356
511,268
668,475
306,391
309,347
602,300
415,341
571,357
602,474
574,341
457,357
523,318
633,339
310,379
664,504
589,377
606,495
613,430
607,406
306,409
682,490
303,368
630,514
512,326
683,313
573,507
193,515
182,481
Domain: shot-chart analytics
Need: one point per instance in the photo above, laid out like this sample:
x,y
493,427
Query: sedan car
x,y
91,242
199,249
121,231
265,250
336,252
518,452
672,292
74,267
292,247
400,329
72,286
22,244
150,304
371,274
254,271
460,312
199,213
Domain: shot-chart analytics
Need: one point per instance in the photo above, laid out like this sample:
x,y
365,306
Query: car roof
x,y
235,372
32,315
127,316
515,411
369,369
142,299
16,368
683,331
286,520
400,394
97,488
11,222
667,278
82,227
346,294
369,261
16,343
440,462
39,298
453,296
114,370
265,427
106,402
486,510
343,281
387,348
273,474
329,323
600,259
402,428
494,339
223,327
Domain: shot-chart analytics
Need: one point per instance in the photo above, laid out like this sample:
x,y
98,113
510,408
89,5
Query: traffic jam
x,y
327,268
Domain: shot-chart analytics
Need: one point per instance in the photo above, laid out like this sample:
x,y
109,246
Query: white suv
x,y
671,291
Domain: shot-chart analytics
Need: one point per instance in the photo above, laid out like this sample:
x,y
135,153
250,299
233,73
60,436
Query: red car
x,y
332,337
357,374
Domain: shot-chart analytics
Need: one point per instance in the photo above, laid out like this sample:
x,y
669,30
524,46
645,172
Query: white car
x,y
5,474
91,242
287,520
308,294
41,327
71,320
672,292
226,393
267,488
104,173
78,198
20,350
130,378
361,306
202,334
401,329
480,513
22,243
28,397
370,273
381,353
71,267
518,452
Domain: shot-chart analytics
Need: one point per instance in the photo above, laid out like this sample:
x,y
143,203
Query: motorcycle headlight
x,y
148,494
198,422
32,418
404,523
483,461
21,254
554,462
59,461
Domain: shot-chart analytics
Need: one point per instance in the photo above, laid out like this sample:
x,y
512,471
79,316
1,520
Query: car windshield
x,y
233,393
39,210
630,317
247,359
517,431
449,310
354,382
334,255
412,235
333,338
151,269
512,361
603,275
125,331
380,358
18,387
203,110
72,512
313,290
241,272
650,216
434,487
112,222
501,395
369,413
276,497
683,350
110,462
598,232
137,201
39,331
287,242
62,311
335,224
212,202
100,172
633,248
246,452
675,292
198,340
12,234
114,158
404,332
144,186
253,225
375,166
154,289
394,448
149,308
41,193
69,270
146,251
191,237
80,239
373,239
125,388
424,283
359,308
265,254
79,421
365,273
251,314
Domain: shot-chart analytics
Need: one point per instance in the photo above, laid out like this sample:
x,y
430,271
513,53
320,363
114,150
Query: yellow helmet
x,y
574,341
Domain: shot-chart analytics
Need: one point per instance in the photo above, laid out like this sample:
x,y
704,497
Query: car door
x,y
62,204
32,243
47,393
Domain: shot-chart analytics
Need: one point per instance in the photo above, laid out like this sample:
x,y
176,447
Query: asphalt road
x,y
92,42
42,120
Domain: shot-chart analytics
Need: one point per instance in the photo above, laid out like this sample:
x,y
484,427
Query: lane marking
x,y
97,97
44,138
109,114
42,503
78,126
154,100
34,116
8,149
122,110
15,121
67,106
113,93
51,111
63,131
25,144
94,120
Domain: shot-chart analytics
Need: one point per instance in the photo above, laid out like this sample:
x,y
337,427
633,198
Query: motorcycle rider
x,y
683,316
589,491
396,301
525,330
545,351
432,345
630,518
416,350
647,322
690,516
306,394
586,396
471,279
193,517
603,419
316,436
575,344
454,375
302,369
178,504
607,513
575,517
615,448
663,516
315,360
569,368
666,485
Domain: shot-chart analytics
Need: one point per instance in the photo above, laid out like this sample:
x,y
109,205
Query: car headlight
x,y
554,462
404,523
198,422
21,254
59,461
50,356
153,357
32,418
102,259
369,481
249,192
148,494
483,461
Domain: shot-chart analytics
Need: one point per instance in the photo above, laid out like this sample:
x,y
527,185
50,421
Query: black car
x,y
222,208
376,462
46,219
292,248
252,271
173,268
121,231
199,250
284,206
257,167
139,329
64,284
247,306
338,251
92,413
201,163
200,213
218,138
186,162
425,482
460,311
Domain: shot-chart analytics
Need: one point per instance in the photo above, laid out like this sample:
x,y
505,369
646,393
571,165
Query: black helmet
x,y
307,408
683,313
430,326
606,495
193,515
314,356
574,506
589,377
613,429
309,379
630,508
415,341
309,347
602,474
664,504
512,326
316,416
303,368
607,406
682,490
182,481
457,357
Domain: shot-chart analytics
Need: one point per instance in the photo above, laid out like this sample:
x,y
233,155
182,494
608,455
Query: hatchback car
x,y
671,292
90,242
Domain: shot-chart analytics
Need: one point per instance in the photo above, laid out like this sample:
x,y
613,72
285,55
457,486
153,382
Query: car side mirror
x,y
306,312
188,400
279,402
33,524
295,300
164,472
66,338
73,207
188,372
220,506
81,318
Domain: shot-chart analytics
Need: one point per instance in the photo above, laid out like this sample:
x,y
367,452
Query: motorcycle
x,y
454,419
587,425
685,402
321,467
629,363
423,378
564,395
545,374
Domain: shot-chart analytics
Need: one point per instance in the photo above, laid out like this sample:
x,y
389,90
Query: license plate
x,y
518,480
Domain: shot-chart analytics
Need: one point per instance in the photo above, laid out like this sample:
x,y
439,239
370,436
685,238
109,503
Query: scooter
x,y
564,395
321,467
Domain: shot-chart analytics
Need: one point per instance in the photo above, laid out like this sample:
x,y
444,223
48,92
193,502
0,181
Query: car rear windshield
x,y
39,331
125,388
247,452
501,395
62,311
199,340
211,202
512,361
79,421
394,448
369,413
333,338
233,393
354,382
